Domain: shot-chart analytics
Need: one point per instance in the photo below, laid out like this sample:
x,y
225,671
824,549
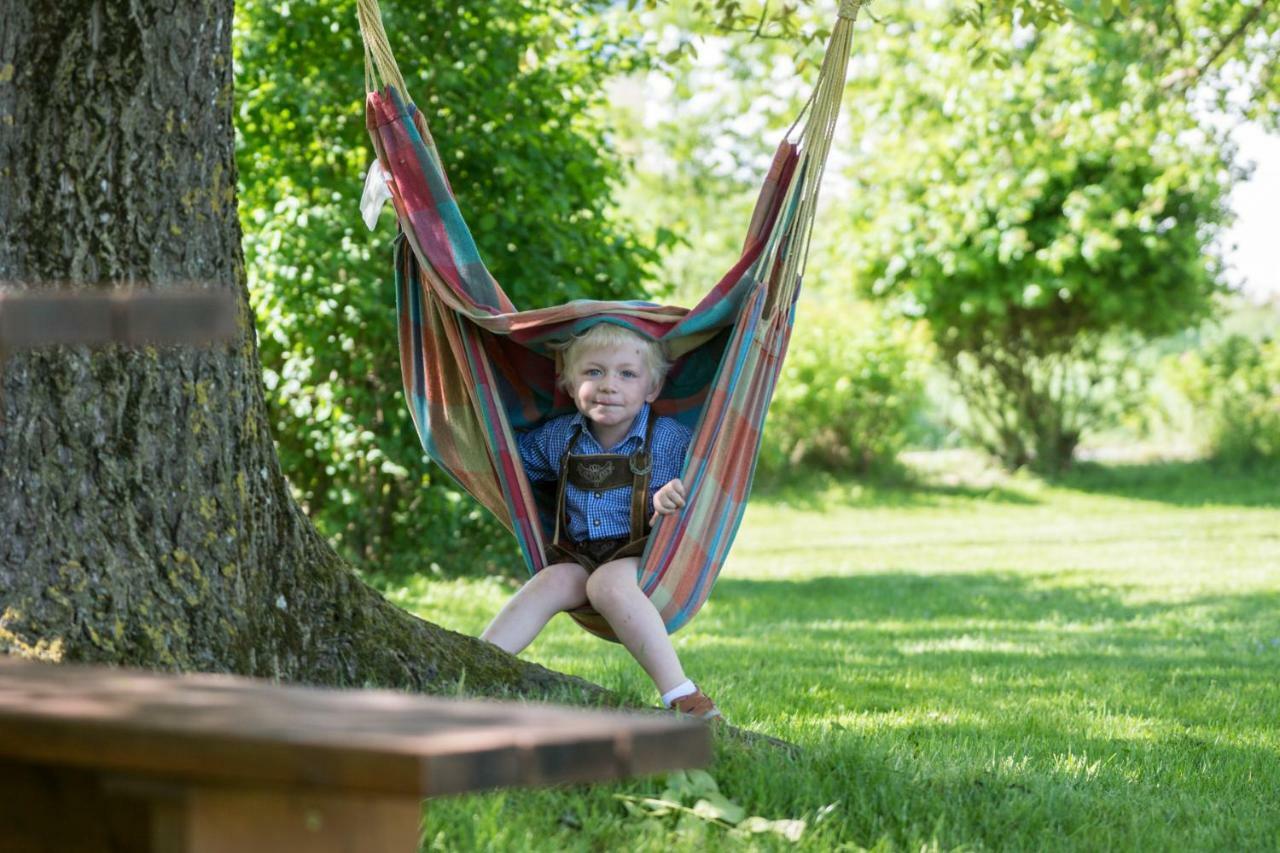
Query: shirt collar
x,y
636,431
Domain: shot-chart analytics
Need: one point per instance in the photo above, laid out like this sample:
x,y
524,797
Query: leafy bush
x,y
1030,213
849,388
1234,387
508,88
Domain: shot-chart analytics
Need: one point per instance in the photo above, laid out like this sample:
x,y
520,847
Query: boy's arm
x,y
535,453
669,498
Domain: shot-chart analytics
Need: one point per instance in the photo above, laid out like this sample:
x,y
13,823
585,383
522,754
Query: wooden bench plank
x,y
234,730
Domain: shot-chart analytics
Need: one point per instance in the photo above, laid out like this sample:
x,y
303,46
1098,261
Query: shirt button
x,y
596,522
597,494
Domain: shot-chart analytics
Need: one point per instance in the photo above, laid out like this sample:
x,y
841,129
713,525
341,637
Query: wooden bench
x,y
99,759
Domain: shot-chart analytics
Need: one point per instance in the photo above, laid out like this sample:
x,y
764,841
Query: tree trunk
x,y
144,519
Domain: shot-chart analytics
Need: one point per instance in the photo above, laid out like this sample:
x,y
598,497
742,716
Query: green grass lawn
x,y
976,662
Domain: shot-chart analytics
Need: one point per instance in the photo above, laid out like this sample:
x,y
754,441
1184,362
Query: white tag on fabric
x,y
376,194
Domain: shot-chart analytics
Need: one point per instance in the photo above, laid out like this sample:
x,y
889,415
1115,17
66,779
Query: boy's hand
x,y
668,500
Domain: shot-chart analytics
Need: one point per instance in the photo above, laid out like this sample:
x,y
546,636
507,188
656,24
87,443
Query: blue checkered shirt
x,y
604,514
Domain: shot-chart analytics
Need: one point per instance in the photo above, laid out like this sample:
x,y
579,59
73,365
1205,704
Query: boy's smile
x,y
610,386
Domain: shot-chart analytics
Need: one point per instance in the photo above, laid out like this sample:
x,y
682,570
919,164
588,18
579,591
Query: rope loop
x,y
849,8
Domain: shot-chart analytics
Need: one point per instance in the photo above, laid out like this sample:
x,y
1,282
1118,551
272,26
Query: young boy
x,y
616,464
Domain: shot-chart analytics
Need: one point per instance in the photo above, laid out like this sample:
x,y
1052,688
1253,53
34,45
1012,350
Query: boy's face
x,y
610,384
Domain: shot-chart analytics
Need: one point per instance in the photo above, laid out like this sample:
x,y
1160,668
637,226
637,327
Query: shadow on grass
x,y
1197,483
809,489
1023,641
1002,701
899,596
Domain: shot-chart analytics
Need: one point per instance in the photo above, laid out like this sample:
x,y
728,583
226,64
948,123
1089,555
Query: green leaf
x,y
719,807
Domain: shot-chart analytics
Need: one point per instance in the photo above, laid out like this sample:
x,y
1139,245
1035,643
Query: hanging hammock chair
x,y
476,371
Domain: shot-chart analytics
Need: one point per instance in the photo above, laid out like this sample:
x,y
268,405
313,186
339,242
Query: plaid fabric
x,y
476,370
605,514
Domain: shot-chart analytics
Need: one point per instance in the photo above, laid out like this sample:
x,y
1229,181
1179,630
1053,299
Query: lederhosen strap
x,y
603,471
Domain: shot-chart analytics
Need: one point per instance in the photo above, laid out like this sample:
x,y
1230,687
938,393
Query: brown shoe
x,y
698,704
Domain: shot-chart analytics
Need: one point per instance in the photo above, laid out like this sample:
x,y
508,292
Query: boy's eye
x,y
592,371
629,374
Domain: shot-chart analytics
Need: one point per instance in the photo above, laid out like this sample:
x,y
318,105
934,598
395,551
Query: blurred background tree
x,y
1038,214
1041,183
508,89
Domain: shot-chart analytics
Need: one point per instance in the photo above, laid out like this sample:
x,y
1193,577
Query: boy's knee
x,y
563,580
612,582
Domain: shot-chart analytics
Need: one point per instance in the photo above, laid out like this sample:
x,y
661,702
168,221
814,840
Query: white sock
x,y
678,692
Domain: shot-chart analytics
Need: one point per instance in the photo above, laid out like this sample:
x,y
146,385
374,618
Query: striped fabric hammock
x,y
476,370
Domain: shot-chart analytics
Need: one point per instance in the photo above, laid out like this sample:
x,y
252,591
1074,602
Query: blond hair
x,y
611,336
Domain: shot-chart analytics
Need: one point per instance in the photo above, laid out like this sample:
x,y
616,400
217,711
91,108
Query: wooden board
x,y
239,731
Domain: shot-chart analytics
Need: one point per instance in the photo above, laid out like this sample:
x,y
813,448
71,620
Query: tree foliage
x,y
1226,47
851,384
1233,386
702,142
1033,212
1028,175
509,90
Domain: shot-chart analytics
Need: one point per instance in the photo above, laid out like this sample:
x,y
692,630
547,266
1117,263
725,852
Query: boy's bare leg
x,y
614,592
560,586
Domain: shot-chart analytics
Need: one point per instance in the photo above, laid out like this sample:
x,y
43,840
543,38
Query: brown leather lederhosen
x,y
595,472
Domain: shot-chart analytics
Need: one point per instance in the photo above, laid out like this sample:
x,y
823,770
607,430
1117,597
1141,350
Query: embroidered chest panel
x,y
600,471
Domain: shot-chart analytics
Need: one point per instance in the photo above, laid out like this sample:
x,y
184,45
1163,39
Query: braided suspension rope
x,y
380,69
814,142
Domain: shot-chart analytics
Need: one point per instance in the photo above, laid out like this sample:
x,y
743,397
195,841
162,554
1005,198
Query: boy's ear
x,y
653,394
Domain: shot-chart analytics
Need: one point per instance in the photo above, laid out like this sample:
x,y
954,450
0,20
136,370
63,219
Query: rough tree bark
x,y
144,519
